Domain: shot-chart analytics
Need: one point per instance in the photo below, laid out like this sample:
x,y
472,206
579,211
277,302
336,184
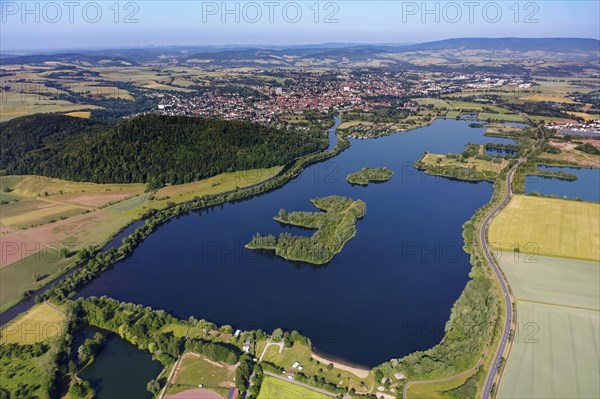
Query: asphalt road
x,y
489,382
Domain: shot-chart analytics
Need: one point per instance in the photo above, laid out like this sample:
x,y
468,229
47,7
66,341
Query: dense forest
x,y
37,136
148,149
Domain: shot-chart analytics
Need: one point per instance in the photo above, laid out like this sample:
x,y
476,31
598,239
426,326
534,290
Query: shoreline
x,y
354,369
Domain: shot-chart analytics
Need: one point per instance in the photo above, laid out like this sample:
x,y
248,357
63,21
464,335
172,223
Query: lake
x,y
585,187
121,370
387,294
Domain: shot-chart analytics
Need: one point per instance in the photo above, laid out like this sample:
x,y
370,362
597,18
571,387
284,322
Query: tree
x,y
153,387
83,353
80,389
277,335
282,214
378,375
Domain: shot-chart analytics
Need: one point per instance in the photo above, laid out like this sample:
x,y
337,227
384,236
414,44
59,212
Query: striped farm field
x,y
557,281
556,348
548,226
273,388
555,354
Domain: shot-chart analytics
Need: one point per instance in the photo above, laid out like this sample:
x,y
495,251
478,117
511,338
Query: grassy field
x,y
38,324
557,98
439,161
15,105
436,390
214,185
547,226
26,376
302,354
484,116
437,103
549,280
274,388
195,370
555,354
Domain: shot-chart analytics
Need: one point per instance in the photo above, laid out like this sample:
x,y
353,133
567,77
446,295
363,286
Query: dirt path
x,y
269,343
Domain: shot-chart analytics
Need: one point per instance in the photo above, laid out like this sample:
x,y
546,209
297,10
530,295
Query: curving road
x,y
504,341
489,381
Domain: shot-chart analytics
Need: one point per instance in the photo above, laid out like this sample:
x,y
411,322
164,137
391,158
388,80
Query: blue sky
x,y
44,25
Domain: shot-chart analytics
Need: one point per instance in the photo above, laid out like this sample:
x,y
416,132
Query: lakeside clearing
x,y
195,370
453,165
315,365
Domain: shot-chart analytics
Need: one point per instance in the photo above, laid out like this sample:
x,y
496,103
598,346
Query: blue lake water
x,y
586,187
516,124
502,152
387,294
117,240
121,370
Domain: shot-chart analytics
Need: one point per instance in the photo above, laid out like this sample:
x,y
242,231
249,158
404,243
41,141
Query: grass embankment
x,y
367,174
275,388
548,226
334,227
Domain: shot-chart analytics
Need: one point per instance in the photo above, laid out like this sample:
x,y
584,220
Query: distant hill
x,y
151,149
70,58
509,43
320,54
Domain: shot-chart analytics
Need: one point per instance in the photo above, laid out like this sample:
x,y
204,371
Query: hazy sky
x,y
39,25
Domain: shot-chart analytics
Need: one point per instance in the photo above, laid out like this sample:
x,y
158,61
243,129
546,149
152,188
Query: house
x,y
246,348
237,333
295,365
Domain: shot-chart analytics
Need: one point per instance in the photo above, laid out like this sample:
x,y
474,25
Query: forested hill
x,y
163,149
37,133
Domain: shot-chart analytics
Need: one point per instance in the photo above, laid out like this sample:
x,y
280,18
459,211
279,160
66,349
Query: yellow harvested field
x,y
15,105
346,125
215,185
547,226
557,98
39,185
38,324
587,117
80,114
32,212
